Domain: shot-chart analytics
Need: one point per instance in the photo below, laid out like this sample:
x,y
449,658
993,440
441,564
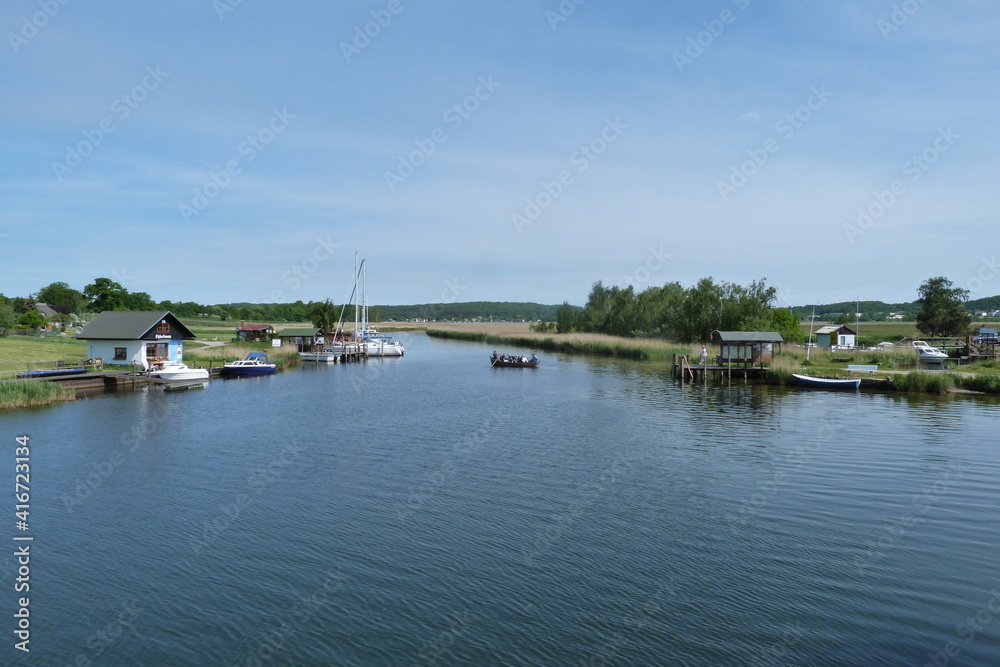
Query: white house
x,y
836,335
136,337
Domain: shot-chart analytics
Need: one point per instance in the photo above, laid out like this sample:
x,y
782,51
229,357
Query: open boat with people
x,y
255,363
513,361
826,383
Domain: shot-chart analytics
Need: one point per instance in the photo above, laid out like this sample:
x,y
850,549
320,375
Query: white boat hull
x,y
321,357
178,372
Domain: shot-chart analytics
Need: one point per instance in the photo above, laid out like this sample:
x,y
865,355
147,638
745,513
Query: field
x,y
17,351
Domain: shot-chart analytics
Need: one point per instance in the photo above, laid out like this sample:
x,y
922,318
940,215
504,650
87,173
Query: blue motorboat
x,y
255,363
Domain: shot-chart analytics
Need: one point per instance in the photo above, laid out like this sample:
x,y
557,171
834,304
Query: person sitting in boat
x,y
524,359
534,357
495,355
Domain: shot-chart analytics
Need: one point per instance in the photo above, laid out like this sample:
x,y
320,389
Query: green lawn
x,y
22,349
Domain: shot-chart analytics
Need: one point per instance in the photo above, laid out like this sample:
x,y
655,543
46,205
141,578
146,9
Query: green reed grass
x,y
32,393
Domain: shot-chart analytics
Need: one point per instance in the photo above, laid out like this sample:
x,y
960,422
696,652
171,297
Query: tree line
x,y
682,314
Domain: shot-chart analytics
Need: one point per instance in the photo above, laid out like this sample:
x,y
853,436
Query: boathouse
x,y
253,333
140,337
746,348
836,335
305,340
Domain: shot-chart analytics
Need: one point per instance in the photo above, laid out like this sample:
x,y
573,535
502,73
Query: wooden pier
x,y
683,369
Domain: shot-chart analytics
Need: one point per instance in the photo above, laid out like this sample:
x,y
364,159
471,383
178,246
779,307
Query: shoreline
x,y
906,380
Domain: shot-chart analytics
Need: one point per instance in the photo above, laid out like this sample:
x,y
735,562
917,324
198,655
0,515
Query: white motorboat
x,y
928,354
176,371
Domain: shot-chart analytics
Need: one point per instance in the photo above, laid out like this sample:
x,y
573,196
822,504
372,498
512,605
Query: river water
x,y
432,510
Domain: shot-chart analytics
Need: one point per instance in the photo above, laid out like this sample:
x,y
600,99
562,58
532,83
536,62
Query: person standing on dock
x,y
704,356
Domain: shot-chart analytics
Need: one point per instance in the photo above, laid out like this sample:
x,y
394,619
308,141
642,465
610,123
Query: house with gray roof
x,y
140,337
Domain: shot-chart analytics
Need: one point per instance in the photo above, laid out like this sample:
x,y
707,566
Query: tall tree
x,y
323,314
106,294
942,310
62,297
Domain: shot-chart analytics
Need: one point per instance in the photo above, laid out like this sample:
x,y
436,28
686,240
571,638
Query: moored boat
x,y
50,372
826,383
383,346
255,363
176,371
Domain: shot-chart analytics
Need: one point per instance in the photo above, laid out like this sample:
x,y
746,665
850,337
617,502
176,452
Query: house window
x,y
121,353
163,327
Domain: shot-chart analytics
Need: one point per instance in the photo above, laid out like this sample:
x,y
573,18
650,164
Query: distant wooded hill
x,y
879,310
470,310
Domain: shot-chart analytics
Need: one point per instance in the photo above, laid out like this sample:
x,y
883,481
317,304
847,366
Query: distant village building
x,y
836,335
139,337
253,333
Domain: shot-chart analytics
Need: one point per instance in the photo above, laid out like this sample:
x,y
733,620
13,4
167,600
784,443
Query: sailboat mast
x,y
355,292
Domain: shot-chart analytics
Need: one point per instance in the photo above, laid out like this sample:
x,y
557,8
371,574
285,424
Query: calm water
x,y
431,510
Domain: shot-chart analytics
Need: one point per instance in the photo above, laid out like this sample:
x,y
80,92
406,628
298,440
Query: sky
x,y
243,151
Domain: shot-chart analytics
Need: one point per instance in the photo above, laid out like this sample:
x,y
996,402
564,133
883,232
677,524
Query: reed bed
x,y
577,343
32,393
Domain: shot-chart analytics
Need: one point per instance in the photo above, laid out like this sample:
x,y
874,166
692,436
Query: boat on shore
x,y
826,383
928,354
255,363
176,371
512,361
49,372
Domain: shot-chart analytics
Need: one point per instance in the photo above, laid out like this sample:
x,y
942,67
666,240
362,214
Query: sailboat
x,y
376,344
365,338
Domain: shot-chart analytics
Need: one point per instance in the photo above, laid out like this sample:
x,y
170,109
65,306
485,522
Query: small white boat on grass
x,y
176,371
928,354
826,383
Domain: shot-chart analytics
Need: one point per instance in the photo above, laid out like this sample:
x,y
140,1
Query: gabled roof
x,y
299,333
747,337
46,310
832,328
130,325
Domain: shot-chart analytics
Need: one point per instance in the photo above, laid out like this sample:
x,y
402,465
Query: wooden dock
x,y
685,370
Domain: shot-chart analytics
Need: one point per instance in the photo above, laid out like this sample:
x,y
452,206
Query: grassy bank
x,y
32,393
901,365
283,357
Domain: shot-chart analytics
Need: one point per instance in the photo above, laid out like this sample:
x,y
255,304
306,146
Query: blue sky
x,y
520,151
